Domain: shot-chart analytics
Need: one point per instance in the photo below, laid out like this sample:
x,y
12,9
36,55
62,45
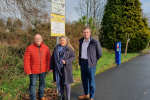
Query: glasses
x,y
37,38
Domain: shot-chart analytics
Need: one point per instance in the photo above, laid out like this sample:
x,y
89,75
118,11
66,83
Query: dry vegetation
x,y
13,44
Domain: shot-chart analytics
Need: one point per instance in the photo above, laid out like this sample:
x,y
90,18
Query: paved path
x,y
128,81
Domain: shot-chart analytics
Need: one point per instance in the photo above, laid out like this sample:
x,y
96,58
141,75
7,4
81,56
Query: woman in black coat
x,y
61,65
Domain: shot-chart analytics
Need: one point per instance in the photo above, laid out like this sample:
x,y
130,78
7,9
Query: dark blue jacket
x,y
67,69
94,52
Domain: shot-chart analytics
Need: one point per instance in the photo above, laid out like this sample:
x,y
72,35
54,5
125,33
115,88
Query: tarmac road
x,y
128,81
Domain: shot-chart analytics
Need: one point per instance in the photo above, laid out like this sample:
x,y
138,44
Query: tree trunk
x,y
126,47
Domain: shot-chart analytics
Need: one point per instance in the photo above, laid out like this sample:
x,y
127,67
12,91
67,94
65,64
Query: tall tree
x,y
146,15
112,23
123,17
91,8
135,25
26,10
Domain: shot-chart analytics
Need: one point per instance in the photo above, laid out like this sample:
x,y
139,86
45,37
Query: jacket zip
x,y
40,60
41,54
88,53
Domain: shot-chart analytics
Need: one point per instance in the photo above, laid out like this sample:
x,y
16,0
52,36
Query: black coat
x,y
94,52
67,69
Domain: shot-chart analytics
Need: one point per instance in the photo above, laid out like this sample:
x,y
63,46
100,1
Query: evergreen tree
x,y
112,23
123,17
134,25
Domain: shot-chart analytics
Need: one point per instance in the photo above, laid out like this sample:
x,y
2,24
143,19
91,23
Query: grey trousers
x,y
68,90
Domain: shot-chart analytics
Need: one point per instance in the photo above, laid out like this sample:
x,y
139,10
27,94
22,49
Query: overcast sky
x,y
146,5
72,15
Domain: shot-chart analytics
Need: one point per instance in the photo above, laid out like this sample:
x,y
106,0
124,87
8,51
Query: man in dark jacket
x,y
89,53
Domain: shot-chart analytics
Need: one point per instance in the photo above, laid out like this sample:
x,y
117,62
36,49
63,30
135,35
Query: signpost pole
x,y
57,40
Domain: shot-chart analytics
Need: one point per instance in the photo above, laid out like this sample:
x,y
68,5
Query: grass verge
x,y
9,89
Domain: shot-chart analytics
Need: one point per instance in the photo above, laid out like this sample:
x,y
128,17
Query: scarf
x,y
59,55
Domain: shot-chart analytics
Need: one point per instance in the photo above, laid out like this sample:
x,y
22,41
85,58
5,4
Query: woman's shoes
x,y
59,98
63,98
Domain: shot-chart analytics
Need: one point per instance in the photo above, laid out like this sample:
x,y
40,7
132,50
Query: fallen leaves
x,y
49,94
17,96
76,80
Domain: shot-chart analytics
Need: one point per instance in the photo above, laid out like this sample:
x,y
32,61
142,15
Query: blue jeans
x,y
88,78
32,87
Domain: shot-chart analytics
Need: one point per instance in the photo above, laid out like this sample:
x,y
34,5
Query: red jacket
x,y
37,60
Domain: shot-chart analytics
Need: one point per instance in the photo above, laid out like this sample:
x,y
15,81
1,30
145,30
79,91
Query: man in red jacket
x,y
36,63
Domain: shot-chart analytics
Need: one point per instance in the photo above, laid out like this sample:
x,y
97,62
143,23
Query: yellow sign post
x,y
57,25
57,18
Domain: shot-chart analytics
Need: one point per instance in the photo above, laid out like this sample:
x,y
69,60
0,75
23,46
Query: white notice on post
x,y
58,27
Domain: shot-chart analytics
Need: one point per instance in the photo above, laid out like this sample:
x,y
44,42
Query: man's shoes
x,y
91,99
84,96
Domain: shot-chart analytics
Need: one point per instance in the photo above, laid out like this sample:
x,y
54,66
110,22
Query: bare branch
x,y
27,10
91,8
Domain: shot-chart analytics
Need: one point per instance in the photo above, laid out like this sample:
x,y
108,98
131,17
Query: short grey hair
x,y
37,34
87,28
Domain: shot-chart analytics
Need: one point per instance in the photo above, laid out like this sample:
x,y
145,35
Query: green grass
x,y
14,86
108,61
10,87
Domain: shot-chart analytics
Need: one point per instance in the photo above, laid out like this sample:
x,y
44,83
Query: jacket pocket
x,y
93,57
67,54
